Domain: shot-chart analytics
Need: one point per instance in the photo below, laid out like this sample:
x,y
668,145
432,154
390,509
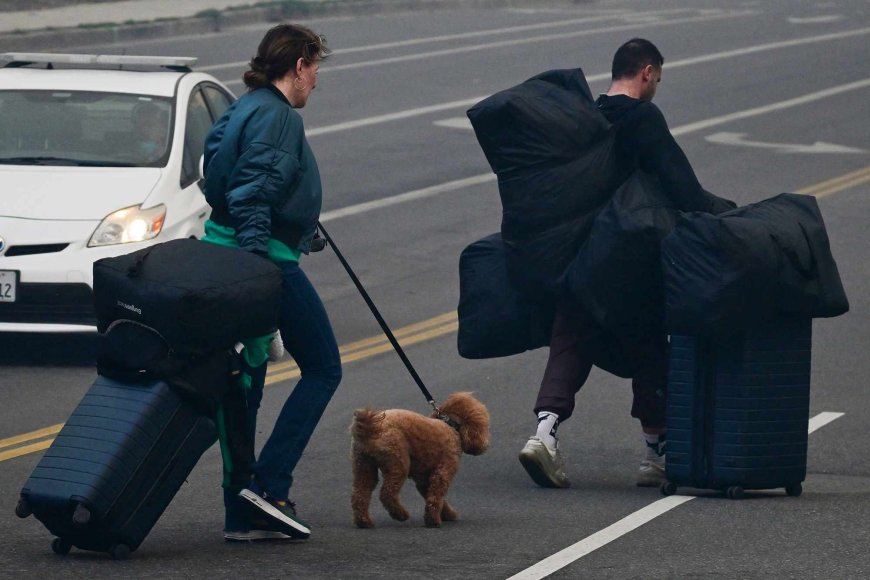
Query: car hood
x,y
72,193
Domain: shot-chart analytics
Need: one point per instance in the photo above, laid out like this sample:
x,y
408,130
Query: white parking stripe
x,y
520,41
464,103
823,419
587,545
692,127
485,177
627,524
410,196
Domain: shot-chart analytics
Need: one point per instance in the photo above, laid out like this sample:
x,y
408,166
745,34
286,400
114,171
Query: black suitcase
x,y
738,412
115,466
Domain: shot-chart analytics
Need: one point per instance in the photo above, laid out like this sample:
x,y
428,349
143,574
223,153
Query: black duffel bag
x,y
200,297
495,318
725,273
617,275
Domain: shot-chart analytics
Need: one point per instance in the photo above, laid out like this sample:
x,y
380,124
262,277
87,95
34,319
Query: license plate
x,y
8,285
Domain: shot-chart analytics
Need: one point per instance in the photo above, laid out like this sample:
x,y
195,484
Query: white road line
x,y
587,545
627,524
409,196
464,103
486,177
803,100
823,419
455,123
520,41
459,36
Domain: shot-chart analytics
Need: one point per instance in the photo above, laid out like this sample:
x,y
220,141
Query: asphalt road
x,y
782,74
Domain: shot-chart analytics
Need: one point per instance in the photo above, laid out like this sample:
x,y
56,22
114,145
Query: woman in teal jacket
x,y
262,182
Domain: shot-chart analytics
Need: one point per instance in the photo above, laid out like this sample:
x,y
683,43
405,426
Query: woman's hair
x,y
279,50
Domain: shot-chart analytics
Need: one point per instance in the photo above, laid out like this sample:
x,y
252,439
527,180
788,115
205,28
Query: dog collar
x,y
449,421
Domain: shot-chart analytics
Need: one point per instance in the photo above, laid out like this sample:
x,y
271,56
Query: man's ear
x,y
647,72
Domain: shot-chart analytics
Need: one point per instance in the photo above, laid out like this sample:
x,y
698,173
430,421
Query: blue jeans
x,y
308,338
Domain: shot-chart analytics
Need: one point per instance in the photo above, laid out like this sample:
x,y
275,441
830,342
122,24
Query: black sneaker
x,y
280,514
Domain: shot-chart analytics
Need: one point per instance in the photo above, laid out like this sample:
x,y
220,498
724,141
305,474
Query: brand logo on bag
x,y
130,307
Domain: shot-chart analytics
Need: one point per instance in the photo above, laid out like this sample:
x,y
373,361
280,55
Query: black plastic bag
x,y
725,273
617,275
495,318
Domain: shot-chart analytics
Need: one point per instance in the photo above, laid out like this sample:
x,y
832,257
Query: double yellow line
x,y
838,184
447,323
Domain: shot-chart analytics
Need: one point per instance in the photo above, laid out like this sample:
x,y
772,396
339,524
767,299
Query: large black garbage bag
x,y
553,153
724,273
617,275
198,296
495,318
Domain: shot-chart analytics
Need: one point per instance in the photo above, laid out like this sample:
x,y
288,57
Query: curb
x,y
274,12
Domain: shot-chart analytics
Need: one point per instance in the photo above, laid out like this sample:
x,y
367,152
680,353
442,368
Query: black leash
x,y
386,329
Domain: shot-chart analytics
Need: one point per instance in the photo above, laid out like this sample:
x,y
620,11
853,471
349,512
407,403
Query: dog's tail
x,y
367,423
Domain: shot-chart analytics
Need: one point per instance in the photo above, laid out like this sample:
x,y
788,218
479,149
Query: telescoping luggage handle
x,y
385,328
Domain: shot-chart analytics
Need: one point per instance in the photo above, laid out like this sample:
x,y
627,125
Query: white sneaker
x,y
544,466
651,472
652,468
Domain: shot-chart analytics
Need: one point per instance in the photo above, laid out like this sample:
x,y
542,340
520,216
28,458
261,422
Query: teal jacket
x,y
261,178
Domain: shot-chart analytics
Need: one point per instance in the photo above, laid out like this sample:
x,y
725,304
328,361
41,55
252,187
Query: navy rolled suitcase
x,y
738,412
115,466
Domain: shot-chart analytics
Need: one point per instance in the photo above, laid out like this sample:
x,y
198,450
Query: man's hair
x,y
632,56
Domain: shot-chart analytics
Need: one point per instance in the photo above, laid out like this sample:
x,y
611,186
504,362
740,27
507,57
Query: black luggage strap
x,y
135,269
386,329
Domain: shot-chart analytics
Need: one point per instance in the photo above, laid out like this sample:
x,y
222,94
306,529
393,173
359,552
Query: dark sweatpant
x,y
573,342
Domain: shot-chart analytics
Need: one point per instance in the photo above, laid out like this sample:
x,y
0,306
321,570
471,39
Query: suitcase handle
x,y
135,269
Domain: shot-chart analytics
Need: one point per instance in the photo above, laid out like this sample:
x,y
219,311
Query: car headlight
x,y
131,224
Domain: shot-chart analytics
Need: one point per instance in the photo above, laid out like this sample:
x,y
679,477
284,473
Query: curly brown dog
x,y
405,444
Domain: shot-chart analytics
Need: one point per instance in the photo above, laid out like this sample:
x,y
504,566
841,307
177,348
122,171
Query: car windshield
x,y
84,128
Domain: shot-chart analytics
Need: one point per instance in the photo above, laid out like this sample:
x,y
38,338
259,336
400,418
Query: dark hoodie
x,y
643,141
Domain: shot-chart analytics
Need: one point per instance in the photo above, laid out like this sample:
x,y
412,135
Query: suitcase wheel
x,y
668,488
734,492
794,490
61,546
120,552
22,509
81,516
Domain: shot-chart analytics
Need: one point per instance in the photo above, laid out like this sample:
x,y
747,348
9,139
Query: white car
x,y
99,156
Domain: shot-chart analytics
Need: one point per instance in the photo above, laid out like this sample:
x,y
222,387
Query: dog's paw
x,y
363,523
432,522
448,514
399,514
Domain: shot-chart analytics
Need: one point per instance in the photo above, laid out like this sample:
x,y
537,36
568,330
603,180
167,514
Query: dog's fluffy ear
x,y
473,419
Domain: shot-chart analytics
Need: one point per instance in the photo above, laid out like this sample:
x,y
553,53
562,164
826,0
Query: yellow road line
x,y
379,339
408,335
369,347
838,184
32,436
26,450
292,371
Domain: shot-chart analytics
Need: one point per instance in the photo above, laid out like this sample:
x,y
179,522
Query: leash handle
x,y
379,318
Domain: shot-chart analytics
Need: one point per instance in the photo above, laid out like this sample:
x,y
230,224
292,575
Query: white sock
x,y
654,445
547,425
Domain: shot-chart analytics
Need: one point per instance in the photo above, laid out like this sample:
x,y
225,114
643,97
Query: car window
x,y
197,127
218,101
84,128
